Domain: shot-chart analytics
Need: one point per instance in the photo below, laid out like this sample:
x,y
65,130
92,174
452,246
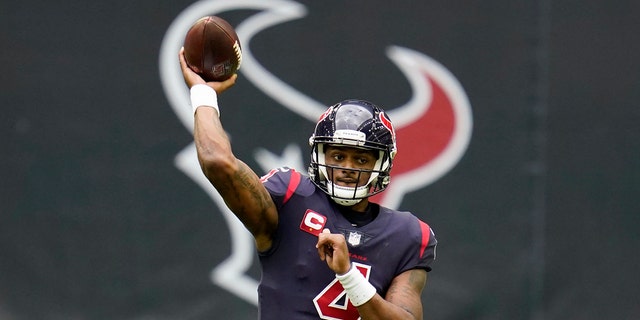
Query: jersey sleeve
x,y
421,252
281,183
428,244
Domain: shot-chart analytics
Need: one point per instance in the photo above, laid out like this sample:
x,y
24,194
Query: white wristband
x,y
358,289
203,95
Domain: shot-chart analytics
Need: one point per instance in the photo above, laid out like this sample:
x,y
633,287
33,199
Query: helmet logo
x,y
325,114
386,122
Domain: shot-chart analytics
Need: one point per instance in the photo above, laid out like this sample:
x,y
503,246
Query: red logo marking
x,y
387,123
313,222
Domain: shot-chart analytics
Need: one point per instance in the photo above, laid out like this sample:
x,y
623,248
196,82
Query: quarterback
x,y
325,250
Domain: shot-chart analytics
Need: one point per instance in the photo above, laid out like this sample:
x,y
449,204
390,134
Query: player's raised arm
x,y
239,186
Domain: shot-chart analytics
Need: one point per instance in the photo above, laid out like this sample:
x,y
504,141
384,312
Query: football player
x,y
325,250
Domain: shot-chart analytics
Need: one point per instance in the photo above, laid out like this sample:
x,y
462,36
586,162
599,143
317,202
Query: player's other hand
x,y
191,78
332,248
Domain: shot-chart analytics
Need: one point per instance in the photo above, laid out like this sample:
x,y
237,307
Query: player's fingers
x,y
325,251
321,251
190,77
324,244
220,87
183,63
324,238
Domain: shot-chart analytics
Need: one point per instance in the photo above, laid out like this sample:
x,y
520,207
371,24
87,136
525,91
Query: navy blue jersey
x,y
296,284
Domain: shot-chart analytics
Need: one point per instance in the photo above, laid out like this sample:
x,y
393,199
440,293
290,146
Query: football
x,y
212,49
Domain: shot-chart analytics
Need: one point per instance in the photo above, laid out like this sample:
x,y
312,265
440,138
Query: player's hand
x,y
332,248
191,78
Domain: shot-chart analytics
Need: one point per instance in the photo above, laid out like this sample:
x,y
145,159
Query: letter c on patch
x,y
313,222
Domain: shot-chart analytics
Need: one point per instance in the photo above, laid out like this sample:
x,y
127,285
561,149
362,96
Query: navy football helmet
x,y
353,123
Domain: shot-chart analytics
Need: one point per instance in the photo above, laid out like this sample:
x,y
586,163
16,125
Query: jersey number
x,y
332,303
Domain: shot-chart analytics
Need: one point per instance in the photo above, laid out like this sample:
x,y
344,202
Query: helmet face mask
x,y
353,124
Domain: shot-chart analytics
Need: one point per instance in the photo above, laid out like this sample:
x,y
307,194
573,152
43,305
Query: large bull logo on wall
x,y
433,128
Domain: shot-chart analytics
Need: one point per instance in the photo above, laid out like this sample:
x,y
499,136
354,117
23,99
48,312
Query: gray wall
x,y
537,219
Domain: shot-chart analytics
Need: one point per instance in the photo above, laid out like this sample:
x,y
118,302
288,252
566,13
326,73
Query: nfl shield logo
x,y
354,238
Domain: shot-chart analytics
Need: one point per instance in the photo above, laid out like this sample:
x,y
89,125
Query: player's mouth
x,y
347,182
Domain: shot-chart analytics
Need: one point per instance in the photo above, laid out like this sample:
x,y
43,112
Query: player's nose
x,y
348,167
349,170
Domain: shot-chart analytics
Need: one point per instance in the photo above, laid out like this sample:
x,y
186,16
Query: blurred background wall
x,y
536,216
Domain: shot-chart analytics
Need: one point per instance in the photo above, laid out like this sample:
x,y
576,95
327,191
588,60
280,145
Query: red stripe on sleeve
x,y
426,234
294,181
